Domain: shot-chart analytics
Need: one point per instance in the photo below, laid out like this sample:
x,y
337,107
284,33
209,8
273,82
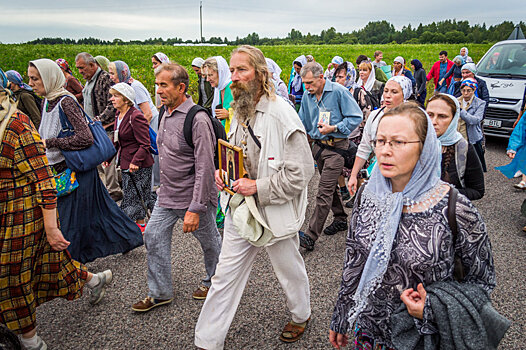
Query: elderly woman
x,y
455,71
102,62
279,85
420,80
89,218
396,91
36,267
471,115
295,82
158,59
133,152
465,57
460,164
73,85
218,74
331,69
400,241
24,95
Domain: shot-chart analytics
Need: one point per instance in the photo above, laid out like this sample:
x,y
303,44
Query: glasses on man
x,y
394,144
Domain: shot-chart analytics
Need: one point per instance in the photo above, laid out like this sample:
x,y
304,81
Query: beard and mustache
x,y
245,96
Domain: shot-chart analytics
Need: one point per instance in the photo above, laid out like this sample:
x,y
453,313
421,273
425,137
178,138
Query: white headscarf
x,y
405,83
401,60
274,69
52,78
198,62
370,81
224,78
297,82
451,136
162,57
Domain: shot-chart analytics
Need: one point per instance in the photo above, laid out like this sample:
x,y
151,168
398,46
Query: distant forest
x,y
380,32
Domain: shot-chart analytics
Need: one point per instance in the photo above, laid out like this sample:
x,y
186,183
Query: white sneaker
x,y
40,344
97,292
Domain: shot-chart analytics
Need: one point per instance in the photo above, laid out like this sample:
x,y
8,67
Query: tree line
x,y
378,32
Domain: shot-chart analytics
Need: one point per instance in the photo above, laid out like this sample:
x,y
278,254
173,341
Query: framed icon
x,y
231,164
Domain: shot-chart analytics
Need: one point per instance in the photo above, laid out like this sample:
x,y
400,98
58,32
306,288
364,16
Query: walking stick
x,y
132,177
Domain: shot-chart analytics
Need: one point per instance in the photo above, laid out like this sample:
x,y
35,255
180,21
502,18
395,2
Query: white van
x,y
503,68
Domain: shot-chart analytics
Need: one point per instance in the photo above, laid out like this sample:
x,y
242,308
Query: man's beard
x,y
245,96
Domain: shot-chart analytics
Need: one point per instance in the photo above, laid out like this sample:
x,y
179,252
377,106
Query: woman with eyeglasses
x,y
460,164
400,243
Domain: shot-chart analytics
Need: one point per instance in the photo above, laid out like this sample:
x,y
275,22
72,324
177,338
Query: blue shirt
x,y
336,99
443,70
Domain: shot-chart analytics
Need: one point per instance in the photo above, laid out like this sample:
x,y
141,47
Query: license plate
x,y
492,123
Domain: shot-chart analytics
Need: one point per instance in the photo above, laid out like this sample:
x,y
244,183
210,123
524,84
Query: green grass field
x,y
138,57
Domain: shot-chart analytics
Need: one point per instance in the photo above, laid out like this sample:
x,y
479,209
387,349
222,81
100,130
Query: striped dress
x,y
31,273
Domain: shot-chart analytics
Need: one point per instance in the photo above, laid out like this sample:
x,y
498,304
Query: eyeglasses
x,y
394,144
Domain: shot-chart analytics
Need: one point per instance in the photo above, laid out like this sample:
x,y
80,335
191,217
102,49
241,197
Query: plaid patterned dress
x,y
31,273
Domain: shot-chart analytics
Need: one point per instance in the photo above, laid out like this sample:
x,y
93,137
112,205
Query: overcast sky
x,y
139,19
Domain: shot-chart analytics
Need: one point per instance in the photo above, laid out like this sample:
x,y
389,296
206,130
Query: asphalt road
x,y
262,312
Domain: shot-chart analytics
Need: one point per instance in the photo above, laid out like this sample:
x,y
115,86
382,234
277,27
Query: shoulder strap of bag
x,y
451,212
256,141
188,123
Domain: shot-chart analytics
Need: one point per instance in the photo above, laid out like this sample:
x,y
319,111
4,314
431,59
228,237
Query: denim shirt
x,y
336,99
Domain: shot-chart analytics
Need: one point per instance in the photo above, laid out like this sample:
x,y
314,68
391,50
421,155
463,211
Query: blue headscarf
x,y
15,77
3,79
451,136
123,72
337,60
387,211
418,65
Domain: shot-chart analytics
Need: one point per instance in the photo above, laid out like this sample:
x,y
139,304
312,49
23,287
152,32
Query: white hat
x,y
198,62
125,90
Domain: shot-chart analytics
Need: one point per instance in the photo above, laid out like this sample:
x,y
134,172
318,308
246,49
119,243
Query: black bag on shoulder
x,y
348,154
370,99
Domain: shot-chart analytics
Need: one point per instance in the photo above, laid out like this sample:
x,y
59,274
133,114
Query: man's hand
x,y
56,240
219,180
245,186
326,128
222,113
191,222
415,300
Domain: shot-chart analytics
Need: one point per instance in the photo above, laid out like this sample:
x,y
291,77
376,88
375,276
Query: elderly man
x,y
279,166
329,114
439,70
187,190
206,94
97,104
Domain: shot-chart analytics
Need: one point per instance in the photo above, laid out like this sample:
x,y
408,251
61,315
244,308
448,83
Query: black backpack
x,y
369,98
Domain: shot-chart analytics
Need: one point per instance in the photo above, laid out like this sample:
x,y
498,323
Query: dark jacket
x,y
75,87
28,106
421,80
209,93
133,144
100,99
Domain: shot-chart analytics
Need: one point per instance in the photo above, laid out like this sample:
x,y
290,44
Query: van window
x,y
504,61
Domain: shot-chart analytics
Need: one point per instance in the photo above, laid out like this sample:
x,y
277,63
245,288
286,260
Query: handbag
x,y
66,182
88,158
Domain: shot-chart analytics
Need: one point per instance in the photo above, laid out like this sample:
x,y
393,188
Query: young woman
x,y
89,217
368,81
133,152
36,267
420,80
217,73
399,240
460,164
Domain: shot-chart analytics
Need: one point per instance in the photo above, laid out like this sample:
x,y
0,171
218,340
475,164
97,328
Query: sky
x,y
138,19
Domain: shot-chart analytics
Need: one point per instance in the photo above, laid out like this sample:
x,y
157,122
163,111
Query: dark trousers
x,y
330,166
480,152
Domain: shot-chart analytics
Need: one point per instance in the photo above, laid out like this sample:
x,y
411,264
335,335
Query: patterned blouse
x,y
422,253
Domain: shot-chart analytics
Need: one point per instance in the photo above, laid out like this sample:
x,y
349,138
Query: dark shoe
x,y
201,293
293,331
345,193
349,204
149,303
336,227
306,242
116,196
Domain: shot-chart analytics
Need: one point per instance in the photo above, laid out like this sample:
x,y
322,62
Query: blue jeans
x,y
158,242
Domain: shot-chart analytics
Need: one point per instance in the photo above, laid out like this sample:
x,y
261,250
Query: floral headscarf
x,y
405,84
62,63
14,77
161,57
123,72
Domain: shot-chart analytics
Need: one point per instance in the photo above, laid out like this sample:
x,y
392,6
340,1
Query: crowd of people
x,y
407,164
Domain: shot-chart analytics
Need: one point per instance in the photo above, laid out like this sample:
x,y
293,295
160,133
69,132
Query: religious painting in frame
x,y
231,163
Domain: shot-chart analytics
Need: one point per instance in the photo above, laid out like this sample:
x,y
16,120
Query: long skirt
x,y
94,223
131,203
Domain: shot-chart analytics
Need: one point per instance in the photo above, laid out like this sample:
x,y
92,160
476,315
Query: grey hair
x,y
314,67
211,63
179,73
86,57
457,60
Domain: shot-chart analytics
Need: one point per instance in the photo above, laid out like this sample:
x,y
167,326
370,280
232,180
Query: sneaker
x,y
40,344
345,193
149,303
201,293
306,242
335,227
97,292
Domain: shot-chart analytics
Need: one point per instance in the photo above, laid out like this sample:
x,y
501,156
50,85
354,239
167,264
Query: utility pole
x,y
201,19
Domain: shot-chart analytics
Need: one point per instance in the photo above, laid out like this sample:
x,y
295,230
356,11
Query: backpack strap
x,y
188,123
451,212
256,140
162,111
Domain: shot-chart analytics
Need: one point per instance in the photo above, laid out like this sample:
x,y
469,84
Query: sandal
x,y
521,185
293,331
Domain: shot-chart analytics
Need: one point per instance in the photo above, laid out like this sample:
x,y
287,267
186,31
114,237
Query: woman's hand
x,y
219,180
105,164
55,239
511,154
338,340
415,300
133,168
222,113
352,185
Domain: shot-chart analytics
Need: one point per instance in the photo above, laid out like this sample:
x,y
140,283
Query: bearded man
x,y
279,165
